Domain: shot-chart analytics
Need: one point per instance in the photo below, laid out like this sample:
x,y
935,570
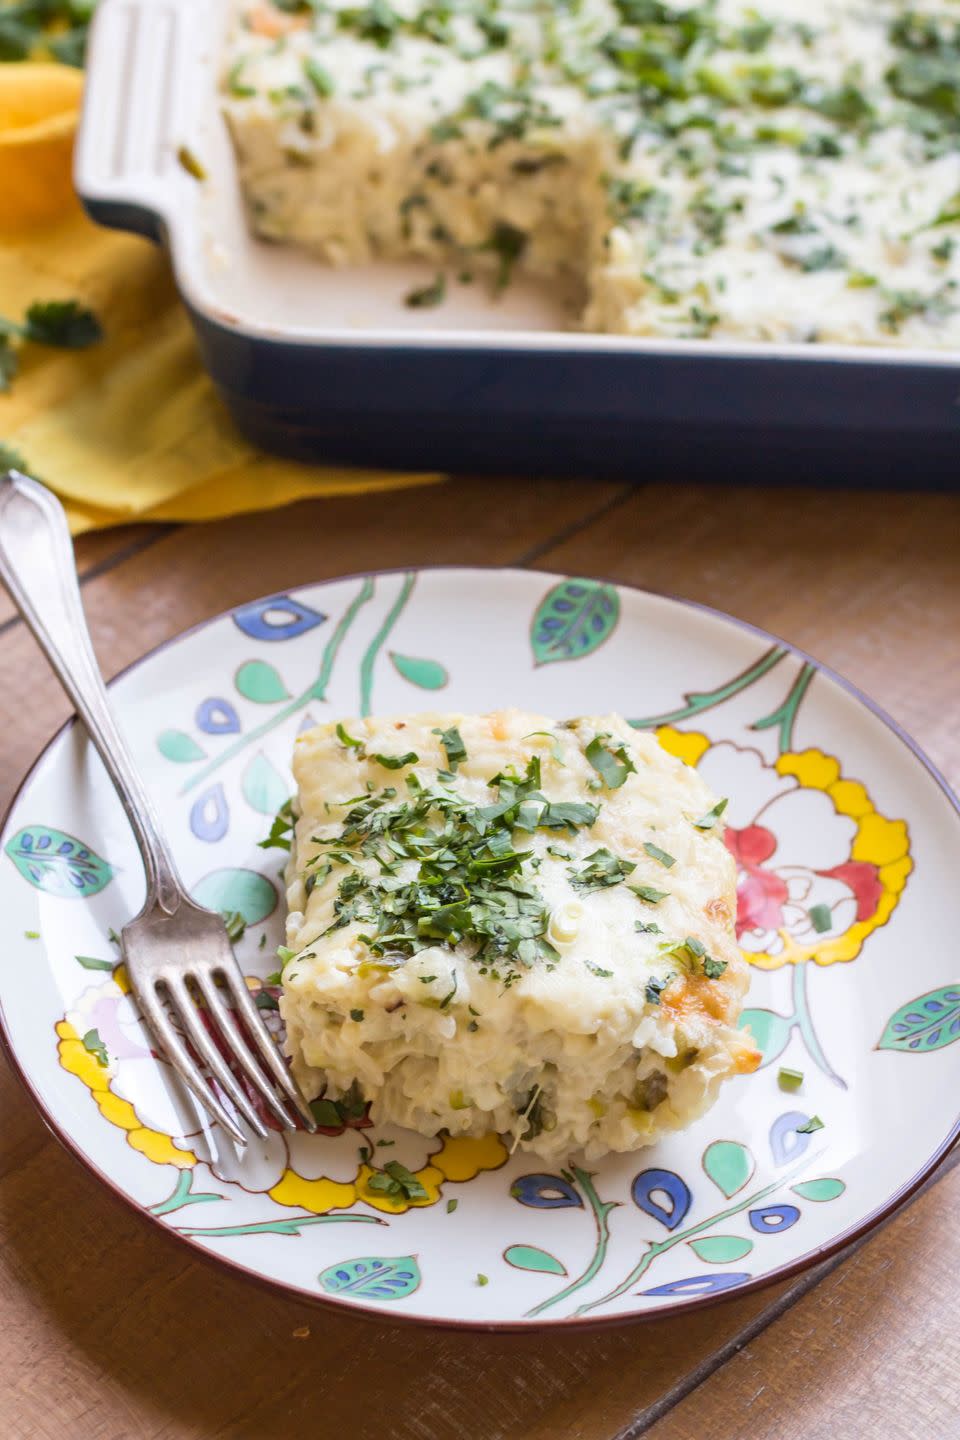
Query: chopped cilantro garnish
x,y
90,962
356,1015
600,870
453,746
190,163
452,1205
707,822
92,1043
713,969
10,459
396,1181
281,829
646,928
655,988
656,853
648,893
396,762
556,750
235,924
508,243
427,296
320,79
808,1128
596,970
285,955
63,323
568,814
612,763
376,22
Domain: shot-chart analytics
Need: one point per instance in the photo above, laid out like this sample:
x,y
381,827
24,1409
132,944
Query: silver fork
x,y
176,951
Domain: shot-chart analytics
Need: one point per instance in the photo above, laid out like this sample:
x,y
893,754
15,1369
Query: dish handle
x,y
147,64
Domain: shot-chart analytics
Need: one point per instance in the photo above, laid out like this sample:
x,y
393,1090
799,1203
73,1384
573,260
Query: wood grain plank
x,y
95,553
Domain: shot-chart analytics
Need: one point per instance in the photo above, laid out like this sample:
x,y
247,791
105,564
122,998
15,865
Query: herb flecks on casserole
x,y
497,922
779,171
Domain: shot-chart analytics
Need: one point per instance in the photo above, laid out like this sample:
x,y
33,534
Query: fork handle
x,y
38,568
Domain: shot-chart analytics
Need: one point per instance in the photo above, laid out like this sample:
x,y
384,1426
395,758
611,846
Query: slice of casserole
x,y
499,922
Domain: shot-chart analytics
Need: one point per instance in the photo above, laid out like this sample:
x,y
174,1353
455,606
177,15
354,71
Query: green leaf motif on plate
x,y
721,1249
179,746
530,1257
826,1189
260,682
729,1165
59,863
263,788
428,674
929,1022
770,1030
371,1277
244,891
573,619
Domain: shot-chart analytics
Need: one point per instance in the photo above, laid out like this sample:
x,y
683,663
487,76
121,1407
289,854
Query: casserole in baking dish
x,y
307,354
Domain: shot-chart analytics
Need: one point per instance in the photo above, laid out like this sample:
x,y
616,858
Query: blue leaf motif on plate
x,y
649,1183
573,619
210,815
372,1277
59,863
279,617
216,716
771,1219
785,1143
545,1192
700,1284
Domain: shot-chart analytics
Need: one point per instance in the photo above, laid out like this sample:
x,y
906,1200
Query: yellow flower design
x,y
458,1158
78,1060
819,868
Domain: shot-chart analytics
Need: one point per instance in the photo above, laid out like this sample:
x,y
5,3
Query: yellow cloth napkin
x,y
130,429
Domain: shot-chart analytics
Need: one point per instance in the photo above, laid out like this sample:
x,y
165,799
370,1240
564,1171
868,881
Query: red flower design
x,y
761,893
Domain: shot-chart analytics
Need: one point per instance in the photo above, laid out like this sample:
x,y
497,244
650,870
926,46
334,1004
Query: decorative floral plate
x,y
846,842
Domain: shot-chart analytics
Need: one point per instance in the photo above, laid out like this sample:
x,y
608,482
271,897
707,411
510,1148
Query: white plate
x,y
846,839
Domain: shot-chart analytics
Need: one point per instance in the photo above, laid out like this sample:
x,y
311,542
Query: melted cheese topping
x,y
534,992
778,171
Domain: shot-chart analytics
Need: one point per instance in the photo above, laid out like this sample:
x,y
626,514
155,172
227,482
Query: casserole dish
x,y
327,363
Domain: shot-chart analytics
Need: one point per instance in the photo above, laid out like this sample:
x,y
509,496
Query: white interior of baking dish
x,y
154,72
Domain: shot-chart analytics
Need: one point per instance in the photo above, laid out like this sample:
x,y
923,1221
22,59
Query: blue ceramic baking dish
x,y
325,364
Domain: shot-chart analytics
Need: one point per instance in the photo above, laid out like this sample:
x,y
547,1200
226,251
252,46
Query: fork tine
x,y
270,1055
238,1045
185,1006
176,1052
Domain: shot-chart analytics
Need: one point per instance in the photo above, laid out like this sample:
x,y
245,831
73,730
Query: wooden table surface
x,y
108,1332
